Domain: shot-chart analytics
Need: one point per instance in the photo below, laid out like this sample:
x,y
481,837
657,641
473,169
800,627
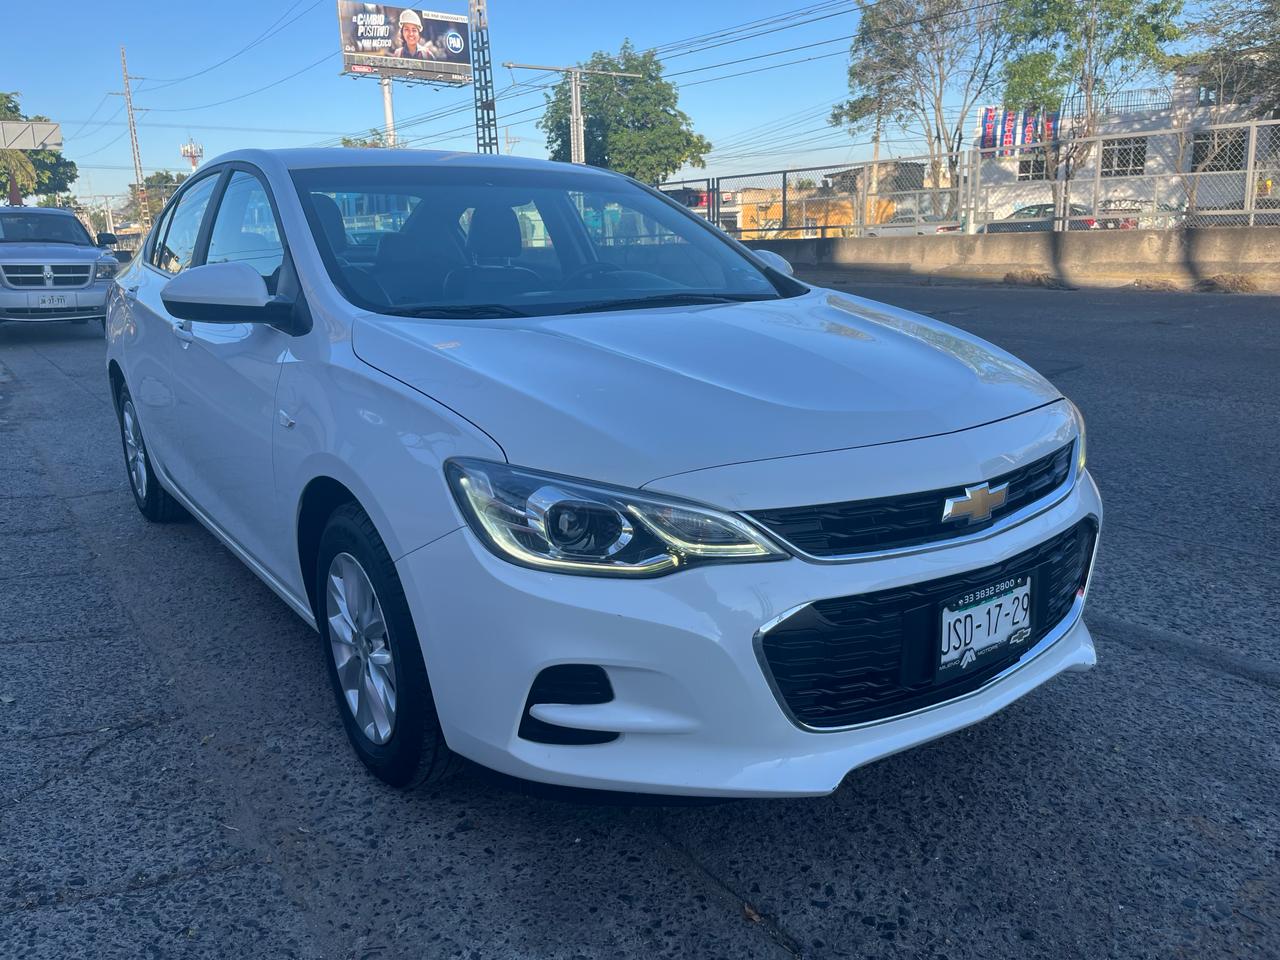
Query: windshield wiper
x,y
464,311
670,300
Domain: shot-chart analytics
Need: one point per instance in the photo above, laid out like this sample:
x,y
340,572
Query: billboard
x,y
404,42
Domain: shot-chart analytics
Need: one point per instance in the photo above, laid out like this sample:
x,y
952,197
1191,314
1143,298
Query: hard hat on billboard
x,y
410,18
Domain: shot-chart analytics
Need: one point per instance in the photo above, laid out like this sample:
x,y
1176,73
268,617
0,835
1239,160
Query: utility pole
x,y
388,114
508,140
482,80
144,212
577,124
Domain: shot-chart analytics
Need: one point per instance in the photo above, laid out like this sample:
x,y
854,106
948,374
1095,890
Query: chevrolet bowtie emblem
x,y
976,504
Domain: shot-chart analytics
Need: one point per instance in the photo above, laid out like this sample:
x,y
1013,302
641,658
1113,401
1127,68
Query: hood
x,y
631,396
50,253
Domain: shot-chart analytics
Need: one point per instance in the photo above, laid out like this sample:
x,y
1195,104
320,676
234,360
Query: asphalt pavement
x,y
174,781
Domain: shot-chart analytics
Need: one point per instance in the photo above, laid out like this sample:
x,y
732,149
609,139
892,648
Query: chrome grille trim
x,y
45,276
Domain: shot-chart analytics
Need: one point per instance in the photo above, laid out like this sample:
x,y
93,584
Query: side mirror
x,y
775,260
107,239
223,293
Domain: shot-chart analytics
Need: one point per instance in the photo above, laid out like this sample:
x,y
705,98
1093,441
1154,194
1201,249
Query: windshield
x,y
42,228
432,240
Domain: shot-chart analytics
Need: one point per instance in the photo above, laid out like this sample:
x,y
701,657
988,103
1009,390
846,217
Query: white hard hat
x,y
409,17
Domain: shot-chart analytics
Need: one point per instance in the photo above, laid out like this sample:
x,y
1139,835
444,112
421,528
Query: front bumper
x,y
692,702
33,306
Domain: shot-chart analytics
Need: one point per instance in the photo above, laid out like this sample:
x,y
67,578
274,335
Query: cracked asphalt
x,y
174,781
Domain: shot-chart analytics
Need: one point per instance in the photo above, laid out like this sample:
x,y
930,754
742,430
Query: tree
x,y
923,65
1076,54
18,174
159,186
633,126
44,171
1241,56
376,138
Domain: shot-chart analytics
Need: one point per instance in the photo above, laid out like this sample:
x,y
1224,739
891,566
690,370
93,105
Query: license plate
x,y
52,300
984,625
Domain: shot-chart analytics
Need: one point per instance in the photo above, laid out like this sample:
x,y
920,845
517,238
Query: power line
x,y
110,143
210,126
251,93
703,41
275,27
101,103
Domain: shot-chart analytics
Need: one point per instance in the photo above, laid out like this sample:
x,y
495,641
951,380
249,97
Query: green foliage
x,y
159,186
1083,51
1241,53
53,173
632,125
879,59
376,138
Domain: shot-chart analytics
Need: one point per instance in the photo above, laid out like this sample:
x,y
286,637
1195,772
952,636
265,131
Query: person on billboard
x,y
411,38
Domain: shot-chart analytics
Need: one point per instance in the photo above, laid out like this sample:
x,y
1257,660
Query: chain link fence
x,y
1217,175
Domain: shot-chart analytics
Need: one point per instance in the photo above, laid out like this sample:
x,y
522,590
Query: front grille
x,y
24,275
852,659
71,274
889,523
28,275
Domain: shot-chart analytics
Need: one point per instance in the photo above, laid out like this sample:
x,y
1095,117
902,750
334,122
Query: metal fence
x,y
1214,175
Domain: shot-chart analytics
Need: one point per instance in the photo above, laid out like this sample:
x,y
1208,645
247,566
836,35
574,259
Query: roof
x,y
312,157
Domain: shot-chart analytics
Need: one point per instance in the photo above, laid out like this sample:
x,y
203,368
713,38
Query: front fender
x,y
382,440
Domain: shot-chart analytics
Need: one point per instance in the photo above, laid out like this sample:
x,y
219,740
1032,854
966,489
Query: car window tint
x,y
245,230
354,222
513,241
178,245
631,239
161,228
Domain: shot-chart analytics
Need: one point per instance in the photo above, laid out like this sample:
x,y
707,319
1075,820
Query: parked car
x,y
908,224
50,269
1039,216
633,509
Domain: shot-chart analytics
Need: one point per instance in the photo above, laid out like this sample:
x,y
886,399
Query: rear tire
x,y
373,656
154,502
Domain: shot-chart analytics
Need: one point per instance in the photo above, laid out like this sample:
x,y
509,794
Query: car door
x,y
153,343
225,378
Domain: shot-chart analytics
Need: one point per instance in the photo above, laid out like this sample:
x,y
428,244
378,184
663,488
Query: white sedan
x,y
575,486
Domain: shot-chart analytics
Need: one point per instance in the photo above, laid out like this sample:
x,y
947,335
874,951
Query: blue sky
x,y
68,74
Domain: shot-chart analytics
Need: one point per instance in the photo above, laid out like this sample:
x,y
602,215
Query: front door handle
x,y
182,333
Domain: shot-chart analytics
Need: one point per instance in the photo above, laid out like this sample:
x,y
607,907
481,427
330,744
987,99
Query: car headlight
x,y
1080,443
573,526
108,268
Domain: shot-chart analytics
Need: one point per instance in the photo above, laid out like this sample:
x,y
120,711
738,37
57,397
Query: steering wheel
x,y
589,270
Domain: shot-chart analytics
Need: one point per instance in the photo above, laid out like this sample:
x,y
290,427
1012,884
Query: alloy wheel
x,y
135,454
358,643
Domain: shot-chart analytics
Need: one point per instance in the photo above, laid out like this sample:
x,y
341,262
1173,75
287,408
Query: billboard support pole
x,y
388,113
482,79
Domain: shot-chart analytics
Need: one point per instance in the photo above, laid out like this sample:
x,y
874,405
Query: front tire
x,y
373,656
154,502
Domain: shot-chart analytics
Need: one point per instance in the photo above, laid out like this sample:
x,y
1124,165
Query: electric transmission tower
x,y
144,211
482,80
